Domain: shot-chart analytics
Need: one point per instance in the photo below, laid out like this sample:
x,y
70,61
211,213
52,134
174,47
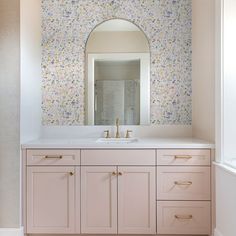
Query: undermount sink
x,y
116,140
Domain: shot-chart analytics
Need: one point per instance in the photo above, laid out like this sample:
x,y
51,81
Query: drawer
x,y
183,183
184,157
53,157
183,217
118,157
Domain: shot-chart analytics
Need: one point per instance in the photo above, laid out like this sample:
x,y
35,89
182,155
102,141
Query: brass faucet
x,y
117,128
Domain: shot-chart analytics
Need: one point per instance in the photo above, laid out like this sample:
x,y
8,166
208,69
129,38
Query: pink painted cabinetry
x,y
118,200
184,192
136,200
117,191
51,199
51,191
98,199
118,194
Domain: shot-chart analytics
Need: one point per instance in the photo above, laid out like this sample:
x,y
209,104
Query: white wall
x,y
225,202
229,79
9,113
30,69
225,119
203,46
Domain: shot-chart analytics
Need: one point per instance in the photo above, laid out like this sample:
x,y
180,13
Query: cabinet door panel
x,y
136,200
98,200
50,200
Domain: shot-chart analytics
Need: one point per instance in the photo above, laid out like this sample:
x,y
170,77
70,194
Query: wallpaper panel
x,y
66,25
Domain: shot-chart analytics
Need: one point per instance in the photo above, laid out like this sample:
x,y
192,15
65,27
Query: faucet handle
x,y
117,121
107,132
128,133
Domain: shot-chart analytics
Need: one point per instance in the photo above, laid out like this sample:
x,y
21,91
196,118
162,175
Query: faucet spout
x,y
117,128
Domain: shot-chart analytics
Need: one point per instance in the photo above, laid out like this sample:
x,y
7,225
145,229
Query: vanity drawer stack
x,y
183,191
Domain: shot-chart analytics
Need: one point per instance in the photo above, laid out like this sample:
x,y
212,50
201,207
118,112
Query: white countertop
x,y
142,143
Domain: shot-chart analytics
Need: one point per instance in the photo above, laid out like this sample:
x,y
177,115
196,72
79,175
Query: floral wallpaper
x,y
66,25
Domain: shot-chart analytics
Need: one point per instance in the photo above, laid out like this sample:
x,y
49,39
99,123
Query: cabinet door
x,y
99,200
50,200
136,200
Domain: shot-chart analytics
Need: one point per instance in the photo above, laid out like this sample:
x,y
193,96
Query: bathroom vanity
x,y
127,63
146,187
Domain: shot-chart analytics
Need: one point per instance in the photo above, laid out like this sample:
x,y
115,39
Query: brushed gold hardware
x,y
71,173
107,132
128,133
117,128
183,157
183,182
119,173
113,173
183,217
53,157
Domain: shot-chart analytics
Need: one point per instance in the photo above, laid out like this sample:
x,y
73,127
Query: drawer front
x,y
183,217
53,157
183,183
118,157
184,157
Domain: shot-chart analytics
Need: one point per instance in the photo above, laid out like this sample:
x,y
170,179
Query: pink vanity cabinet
x,y
117,191
184,191
52,191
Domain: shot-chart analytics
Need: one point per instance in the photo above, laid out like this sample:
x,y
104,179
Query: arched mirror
x,y
118,74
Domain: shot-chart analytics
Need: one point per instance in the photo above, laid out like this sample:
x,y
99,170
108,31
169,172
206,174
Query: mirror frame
x,y
89,77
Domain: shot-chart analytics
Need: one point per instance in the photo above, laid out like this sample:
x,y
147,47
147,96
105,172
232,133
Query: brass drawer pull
x,y
71,173
53,157
183,157
119,173
113,173
183,217
183,182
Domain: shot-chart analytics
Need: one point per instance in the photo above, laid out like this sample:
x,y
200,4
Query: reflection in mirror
x,y
117,92
118,80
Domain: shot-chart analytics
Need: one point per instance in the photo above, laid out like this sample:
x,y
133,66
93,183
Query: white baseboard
x,y
12,231
217,233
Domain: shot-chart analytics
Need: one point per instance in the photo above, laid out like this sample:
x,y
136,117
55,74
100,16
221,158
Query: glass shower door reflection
x,y
117,99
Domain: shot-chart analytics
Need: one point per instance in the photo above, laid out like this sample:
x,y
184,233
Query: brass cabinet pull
x,y
119,173
53,157
183,182
183,217
113,173
71,173
183,157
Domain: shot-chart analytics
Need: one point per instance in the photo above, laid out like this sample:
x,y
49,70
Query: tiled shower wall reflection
x,y
65,28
